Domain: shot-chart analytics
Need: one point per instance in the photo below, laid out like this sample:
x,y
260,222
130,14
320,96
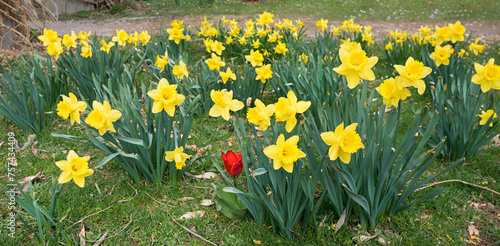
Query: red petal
x,y
236,169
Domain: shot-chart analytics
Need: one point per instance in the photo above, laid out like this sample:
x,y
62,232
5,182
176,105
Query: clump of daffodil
x,y
265,19
55,49
457,32
180,70
485,116
86,50
102,117
284,153
255,58
287,108
133,38
120,38
225,76
388,46
70,107
280,48
264,73
261,114
223,102
215,63
487,76
74,168
178,156
323,24
144,37
392,92
441,55
441,34
165,97
356,66
49,37
176,33
106,47
476,47
84,36
343,142
303,58
69,41
161,61
412,74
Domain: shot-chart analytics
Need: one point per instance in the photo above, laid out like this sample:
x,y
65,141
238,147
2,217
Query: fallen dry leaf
x,y
473,230
31,138
203,149
207,202
187,198
190,215
497,141
191,147
381,241
101,239
81,235
30,179
207,175
340,222
249,102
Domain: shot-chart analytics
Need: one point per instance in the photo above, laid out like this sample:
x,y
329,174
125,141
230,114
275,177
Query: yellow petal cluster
x,y
284,153
343,142
223,102
287,108
74,168
165,97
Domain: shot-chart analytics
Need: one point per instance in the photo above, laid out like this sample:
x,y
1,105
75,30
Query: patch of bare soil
x,y
486,30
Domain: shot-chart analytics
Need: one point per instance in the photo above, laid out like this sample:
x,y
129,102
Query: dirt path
x,y
485,30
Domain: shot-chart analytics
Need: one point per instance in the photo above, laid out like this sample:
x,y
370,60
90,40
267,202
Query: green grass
x,y
388,10
141,213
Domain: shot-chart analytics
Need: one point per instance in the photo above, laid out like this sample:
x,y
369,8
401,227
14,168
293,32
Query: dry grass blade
x,y
459,181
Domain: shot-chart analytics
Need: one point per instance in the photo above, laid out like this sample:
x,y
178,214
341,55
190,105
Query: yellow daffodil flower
x,y
392,92
70,107
343,142
227,75
487,76
284,153
356,66
120,38
485,116
264,73
223,102
162,61
215,63
74,168
86,50
255,58
412,73
441,55
180,70
102,117
178,156
261,114
287,108
106,47
165,97
49,37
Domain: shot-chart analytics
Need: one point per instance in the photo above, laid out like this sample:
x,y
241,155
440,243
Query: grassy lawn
x,y
389,10
123,212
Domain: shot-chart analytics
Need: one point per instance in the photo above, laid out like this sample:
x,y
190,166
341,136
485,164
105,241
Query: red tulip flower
x,y
232,162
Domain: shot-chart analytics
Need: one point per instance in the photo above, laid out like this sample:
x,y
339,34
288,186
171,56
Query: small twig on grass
x,y
80,220
460,181
190,231
117,232
126,200
155,199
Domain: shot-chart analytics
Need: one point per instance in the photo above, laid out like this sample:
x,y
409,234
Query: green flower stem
x,y
53,201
